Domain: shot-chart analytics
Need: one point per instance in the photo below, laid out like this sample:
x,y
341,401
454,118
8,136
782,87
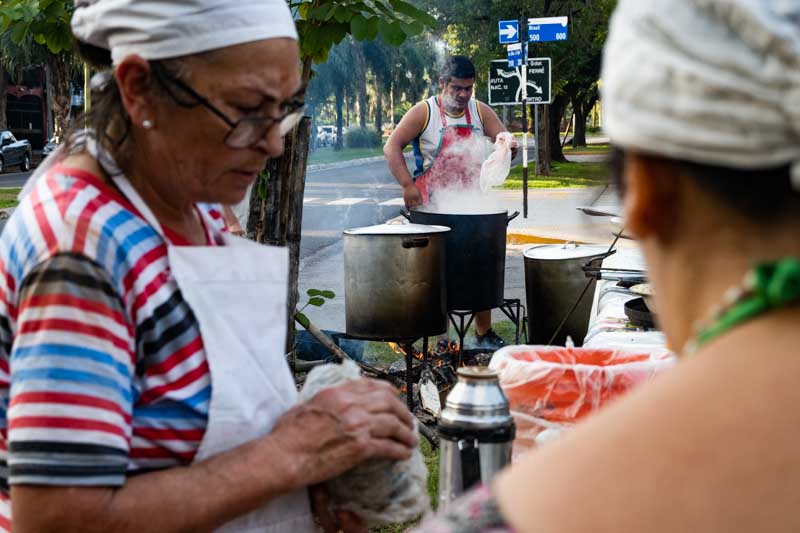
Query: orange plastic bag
x,y
553,387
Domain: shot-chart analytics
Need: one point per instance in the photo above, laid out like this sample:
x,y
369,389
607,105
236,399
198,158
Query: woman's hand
x,y
343,426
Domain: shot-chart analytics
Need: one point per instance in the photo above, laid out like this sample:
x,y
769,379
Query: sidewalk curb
x,y
513,237
344,164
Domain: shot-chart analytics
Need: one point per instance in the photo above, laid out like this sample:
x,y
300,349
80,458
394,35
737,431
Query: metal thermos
x,y
476,432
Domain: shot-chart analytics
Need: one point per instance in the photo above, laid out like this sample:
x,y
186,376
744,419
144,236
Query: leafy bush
x,y
362,138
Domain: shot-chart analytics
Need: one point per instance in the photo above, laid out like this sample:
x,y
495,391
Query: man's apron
x,y
453,163
238,294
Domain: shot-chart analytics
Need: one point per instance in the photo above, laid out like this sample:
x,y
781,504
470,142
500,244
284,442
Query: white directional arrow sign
x,y
505,83
509,31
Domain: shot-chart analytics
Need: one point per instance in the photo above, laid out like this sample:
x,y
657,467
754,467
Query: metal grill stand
x,y
512,308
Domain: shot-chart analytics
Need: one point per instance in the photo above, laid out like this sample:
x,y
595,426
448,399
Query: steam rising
x,y
461,199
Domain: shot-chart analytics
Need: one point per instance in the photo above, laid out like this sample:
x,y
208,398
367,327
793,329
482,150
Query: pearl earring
x,y
147,124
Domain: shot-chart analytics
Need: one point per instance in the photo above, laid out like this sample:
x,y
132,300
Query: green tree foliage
x,y
325,23
45,23
469,27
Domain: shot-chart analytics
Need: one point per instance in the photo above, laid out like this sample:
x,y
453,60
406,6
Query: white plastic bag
x,y
380,491
495,169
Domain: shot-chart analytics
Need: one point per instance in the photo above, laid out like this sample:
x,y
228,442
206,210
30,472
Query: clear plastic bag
x,y
495,169
550,388
380,491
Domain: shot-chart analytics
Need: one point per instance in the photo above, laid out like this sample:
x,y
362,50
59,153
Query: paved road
x,y
344,198
14,179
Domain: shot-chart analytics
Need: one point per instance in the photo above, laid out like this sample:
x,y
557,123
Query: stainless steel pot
x,y
554,280
394,281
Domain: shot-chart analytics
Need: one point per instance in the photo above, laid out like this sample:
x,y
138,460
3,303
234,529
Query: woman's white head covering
x,y
708,81
162,29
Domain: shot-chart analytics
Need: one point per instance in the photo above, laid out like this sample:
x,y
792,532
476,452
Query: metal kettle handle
x,y
512,216
416,242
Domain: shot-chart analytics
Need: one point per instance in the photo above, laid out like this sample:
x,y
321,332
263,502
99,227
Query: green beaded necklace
x,y
768,286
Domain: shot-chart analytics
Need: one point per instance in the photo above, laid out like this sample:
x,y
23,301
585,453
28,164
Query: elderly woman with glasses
x,y
702,98
142,376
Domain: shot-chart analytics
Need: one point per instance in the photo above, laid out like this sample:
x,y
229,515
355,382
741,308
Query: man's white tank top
x,y
427,142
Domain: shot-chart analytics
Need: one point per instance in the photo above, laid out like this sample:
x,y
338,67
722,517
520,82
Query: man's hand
x,y
514,147
411,196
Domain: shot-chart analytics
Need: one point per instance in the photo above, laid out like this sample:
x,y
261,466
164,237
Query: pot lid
x,y
460,211
397,229
564,251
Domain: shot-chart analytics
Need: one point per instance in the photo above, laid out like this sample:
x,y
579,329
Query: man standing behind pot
x,y
439,127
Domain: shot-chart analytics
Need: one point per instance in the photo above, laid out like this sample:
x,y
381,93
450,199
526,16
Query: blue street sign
x,y
515,55
547,29
509,31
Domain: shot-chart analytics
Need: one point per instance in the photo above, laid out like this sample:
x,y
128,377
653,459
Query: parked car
x,y
326,135
51,146
14,152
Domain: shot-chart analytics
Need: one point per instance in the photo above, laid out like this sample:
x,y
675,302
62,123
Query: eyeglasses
x,y
245,132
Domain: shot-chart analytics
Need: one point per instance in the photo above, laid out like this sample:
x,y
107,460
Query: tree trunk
x,y
3,100
361,85
312,112
61,86
544,144
391,100
339,118
557,109
351,103
378,107
279,216
579,136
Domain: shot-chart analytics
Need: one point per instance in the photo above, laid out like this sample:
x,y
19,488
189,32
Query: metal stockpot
x,y
476,257
394,281
554,279
476,432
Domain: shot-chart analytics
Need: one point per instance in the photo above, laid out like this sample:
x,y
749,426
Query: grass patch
x,y
322,156
381,354
329,155
590,149
8,197
562,175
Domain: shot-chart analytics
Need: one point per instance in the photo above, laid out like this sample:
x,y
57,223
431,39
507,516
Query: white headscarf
x,y
162,29
708,81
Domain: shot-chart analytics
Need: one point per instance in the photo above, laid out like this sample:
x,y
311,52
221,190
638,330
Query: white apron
x,y
238,295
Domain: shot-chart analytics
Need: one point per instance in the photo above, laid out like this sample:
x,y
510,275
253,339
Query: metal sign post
x,y
522,25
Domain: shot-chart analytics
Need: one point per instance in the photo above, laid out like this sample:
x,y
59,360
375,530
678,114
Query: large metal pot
x,y
394,281
476,257
554,280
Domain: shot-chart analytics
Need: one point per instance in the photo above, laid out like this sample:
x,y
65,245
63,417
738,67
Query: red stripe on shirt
x,y
71,399
147,259
73,326
57,422
176,358
68,300
42,222
169,434
184,381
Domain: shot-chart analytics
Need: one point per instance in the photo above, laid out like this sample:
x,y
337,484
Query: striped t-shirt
x,y
102,368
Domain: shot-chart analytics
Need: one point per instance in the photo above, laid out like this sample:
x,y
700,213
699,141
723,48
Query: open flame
x,y
437,356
